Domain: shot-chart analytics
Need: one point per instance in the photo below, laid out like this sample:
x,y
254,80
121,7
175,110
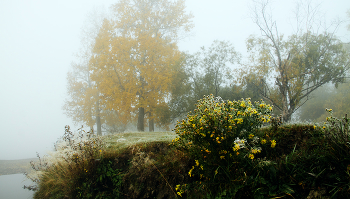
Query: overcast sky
x,y
39,37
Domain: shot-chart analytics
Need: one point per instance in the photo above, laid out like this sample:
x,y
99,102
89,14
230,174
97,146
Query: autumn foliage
x,y
131,68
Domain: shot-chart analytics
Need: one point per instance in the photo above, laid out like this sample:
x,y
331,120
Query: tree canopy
x,y
136,56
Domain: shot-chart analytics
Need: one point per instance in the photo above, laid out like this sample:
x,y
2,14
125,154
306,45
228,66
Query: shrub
x,y
222,137
337,139
56,174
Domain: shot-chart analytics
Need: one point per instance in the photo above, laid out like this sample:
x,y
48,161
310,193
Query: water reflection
x,y
11,187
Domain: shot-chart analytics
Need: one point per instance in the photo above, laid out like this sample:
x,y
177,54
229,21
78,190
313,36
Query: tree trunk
x,y
98,118
287,117
141,119
150,123
98,123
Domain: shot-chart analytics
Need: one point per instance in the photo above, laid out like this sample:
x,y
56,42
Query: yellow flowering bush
x,y
219,134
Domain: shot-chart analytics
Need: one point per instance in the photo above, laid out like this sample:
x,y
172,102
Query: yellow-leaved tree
x,y
136,57
83,103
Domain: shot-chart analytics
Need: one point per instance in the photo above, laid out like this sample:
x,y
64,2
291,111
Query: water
x,y
11,187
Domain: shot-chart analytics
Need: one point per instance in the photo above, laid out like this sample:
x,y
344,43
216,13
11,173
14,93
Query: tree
x,y
83,103
82,106
136,56
287,71
329,97
209,68
214,62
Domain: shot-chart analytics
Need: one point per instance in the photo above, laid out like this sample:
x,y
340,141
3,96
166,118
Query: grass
x,y
122,140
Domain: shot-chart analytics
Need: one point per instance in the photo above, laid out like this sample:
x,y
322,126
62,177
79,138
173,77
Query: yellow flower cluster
x,y
239,120
179,191
212,126
273,143
193,167
190,172
236,147
254,150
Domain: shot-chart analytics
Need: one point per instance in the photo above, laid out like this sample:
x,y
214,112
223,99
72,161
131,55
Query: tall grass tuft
x,y
56,174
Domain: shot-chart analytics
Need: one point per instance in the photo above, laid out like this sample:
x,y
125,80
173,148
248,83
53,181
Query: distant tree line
x,y
130,70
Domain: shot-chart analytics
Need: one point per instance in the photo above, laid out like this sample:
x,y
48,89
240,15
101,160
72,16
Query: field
x,y
8,167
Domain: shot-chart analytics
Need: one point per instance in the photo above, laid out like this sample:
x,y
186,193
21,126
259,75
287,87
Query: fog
x,y
39,37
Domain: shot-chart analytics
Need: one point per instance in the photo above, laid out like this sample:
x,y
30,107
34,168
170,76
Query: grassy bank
x,y
145,165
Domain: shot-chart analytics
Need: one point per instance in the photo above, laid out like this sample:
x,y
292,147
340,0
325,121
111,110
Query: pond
x,y
11,187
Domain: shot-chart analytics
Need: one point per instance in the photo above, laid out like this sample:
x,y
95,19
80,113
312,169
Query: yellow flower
x,y
236,147
273,143
323,127
256,151
263,141
251,156
197,163
251,136
314,127
193,125
239,120
190,172
222,157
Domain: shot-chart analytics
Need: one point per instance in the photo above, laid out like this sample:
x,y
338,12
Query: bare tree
x,y
286,71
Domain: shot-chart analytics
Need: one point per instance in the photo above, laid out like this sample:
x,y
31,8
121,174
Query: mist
x,y
38,40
